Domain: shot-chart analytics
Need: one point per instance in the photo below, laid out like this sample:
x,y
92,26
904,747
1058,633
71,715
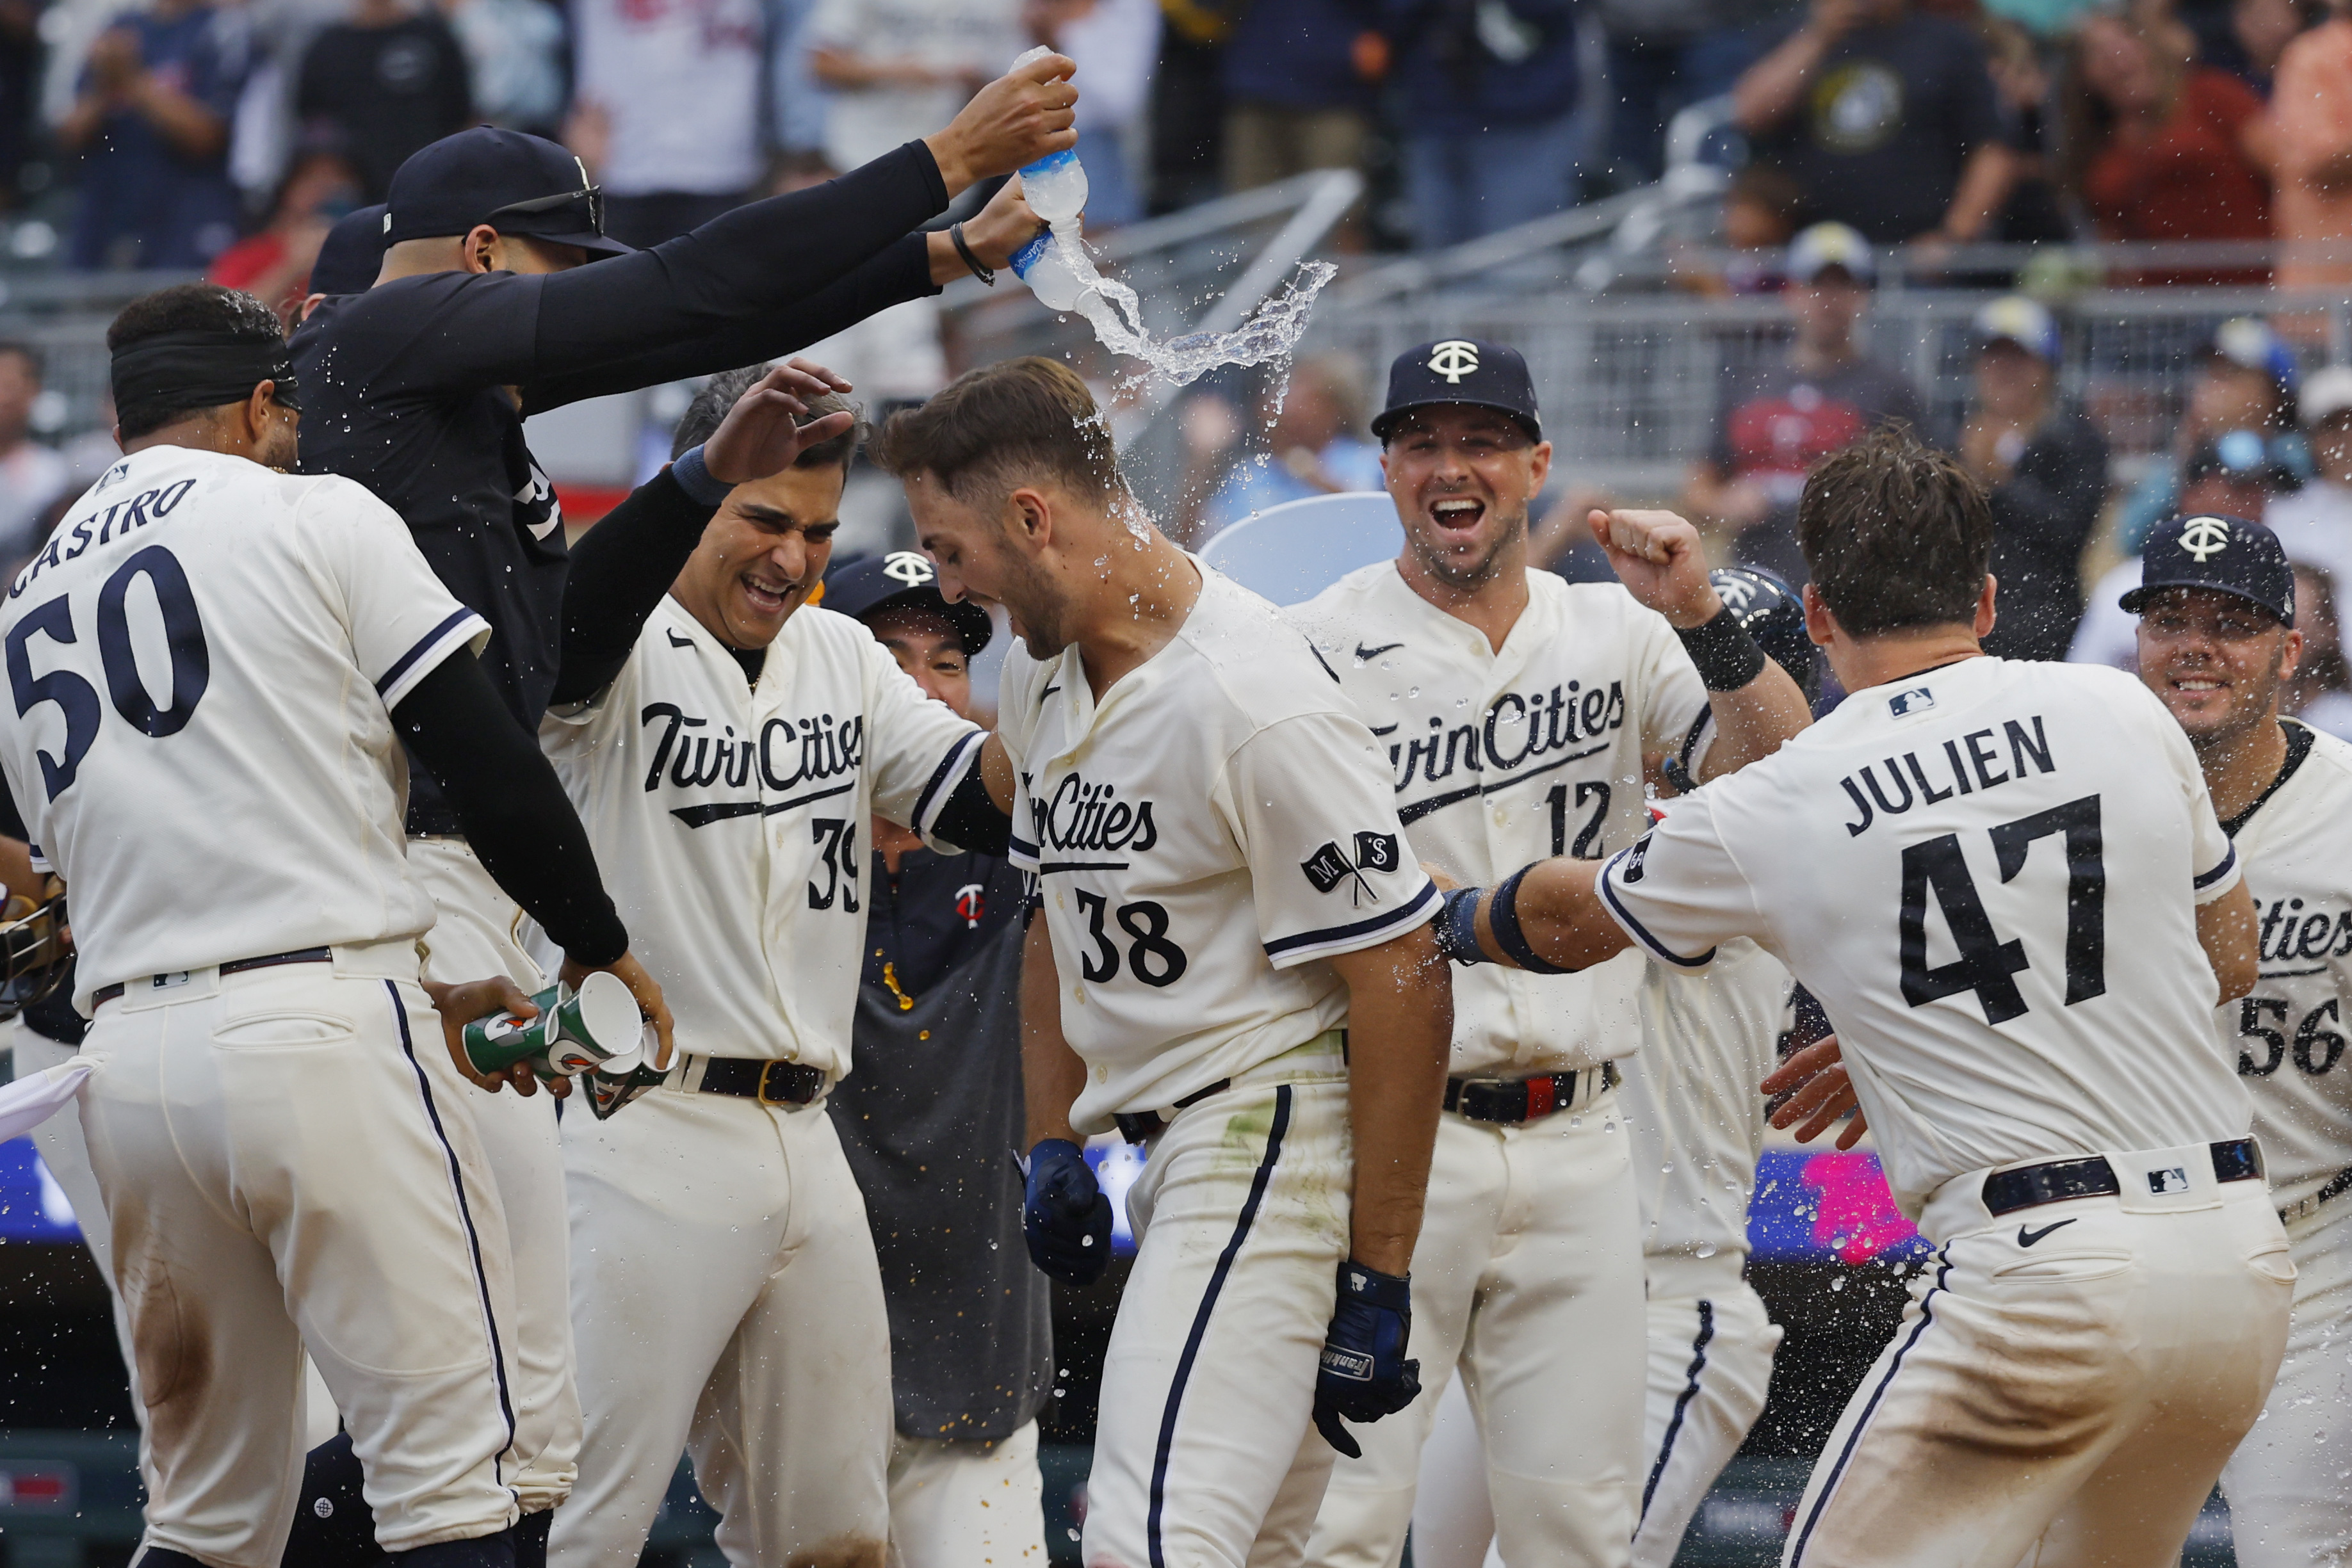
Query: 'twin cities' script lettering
x,y
1083,816
789,752
132,512
1518,730
1961,767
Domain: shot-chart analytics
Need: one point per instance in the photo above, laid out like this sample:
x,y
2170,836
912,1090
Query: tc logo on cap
x,y
905,565
2204,538
1455,359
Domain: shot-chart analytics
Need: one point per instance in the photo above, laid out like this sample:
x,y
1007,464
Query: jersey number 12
x,y
183,635
1986,962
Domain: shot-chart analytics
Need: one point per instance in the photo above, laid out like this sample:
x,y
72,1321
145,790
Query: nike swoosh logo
x,y
677,641
2028,1238
1048,692
1369,653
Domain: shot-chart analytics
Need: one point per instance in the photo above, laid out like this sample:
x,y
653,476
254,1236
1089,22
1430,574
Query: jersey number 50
x,y
1986,962
183,634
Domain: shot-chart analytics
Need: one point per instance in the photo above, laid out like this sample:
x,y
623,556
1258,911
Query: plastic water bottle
x,y
1045,266
1055,187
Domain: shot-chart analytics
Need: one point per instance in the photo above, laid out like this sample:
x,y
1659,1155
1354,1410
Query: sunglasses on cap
x,y
594,196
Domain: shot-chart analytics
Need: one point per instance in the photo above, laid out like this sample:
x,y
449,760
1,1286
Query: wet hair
x,y
1895,534
202,310
725,389
999,427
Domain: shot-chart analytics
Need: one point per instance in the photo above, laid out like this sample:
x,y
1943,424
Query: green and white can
x,y
574,1031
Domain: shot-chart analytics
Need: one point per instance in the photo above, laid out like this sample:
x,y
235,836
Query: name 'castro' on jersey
x,y
728,819
1202,836
1502,757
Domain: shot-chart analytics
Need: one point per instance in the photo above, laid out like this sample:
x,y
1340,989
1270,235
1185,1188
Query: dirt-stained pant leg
x,y
1204,1455
474,938
275,1127
2063,1393
2290,1482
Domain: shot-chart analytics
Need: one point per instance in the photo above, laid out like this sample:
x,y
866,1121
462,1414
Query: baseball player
x,y
931,1121
2005,883
1233,966
483,312
1514,711
212,666
727,743
2217,638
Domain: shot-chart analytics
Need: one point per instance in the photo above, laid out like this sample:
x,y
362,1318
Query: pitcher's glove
x,y
1364,1374
1065,1218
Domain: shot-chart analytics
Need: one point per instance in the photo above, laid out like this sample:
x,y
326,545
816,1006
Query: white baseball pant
x,y
729,1304
1527,1280
474,938
966,1504
65,1154
1205,1453
2290,1482
1710,1362
281,1171
2067,1383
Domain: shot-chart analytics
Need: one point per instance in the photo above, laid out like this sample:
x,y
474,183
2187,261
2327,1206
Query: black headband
x,y
199,370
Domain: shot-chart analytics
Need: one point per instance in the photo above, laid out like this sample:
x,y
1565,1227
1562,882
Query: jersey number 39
x,y
184,634
1986,962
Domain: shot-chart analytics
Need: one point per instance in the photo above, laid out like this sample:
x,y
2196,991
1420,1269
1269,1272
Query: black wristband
x,y
1503,914
1726,656
1457,926
980,269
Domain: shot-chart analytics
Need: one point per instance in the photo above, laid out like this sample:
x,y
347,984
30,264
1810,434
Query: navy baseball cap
x,y
1459,370
2228,555
860,588
518,185
351,255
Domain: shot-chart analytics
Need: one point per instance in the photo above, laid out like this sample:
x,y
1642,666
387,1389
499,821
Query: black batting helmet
x,y
1770,611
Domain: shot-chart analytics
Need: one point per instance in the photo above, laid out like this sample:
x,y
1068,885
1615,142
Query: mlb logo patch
x,y
1904,704
2172,1178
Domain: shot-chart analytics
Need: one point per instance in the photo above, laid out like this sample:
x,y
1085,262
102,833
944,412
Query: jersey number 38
x,y
184,634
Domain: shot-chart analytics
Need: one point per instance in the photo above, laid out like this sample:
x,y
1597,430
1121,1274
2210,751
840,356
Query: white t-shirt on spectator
x,y
979,37
33,478
2108,633
2315,527
1116,47
679,82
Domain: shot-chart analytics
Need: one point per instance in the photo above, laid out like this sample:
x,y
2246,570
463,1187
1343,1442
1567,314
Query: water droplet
x,y
1706,1250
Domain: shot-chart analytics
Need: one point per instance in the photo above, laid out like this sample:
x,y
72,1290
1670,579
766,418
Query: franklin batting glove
x,y
1364,1374
1067,1218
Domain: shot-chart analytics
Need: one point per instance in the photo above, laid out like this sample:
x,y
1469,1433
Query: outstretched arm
x,y
1546,918
1400,1033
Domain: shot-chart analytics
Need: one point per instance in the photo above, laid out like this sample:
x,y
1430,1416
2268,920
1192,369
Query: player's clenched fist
x,y
1065,1218
1658,556
1018,118
1363,1373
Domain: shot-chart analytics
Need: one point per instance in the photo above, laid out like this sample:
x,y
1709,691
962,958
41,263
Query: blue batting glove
x,y
1364,1374
1065,1218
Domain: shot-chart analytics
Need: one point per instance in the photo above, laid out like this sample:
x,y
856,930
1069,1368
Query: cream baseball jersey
x,y
2288,1035
730,818
1691,1097
203,662
1201,836
1987,873
1501,758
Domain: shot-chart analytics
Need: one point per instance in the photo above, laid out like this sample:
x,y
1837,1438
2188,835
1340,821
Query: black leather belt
x,y
1142,1126
2054,1181
235,966
1511,1101
770,1081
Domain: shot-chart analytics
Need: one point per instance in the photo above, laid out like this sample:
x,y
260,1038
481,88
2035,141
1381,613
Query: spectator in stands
x,y
1315,443
1116,45
514,52
1760,219
2235,477
1663,57
1886,117
1775,421
2315,523
1299,77
2246,381
2259,32
273,264
2305,141
2044,466
2034,212
388,80
152,116
20,73
2157,145
672,93
1489,95
33,478
896,67
1187,115
2319,693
